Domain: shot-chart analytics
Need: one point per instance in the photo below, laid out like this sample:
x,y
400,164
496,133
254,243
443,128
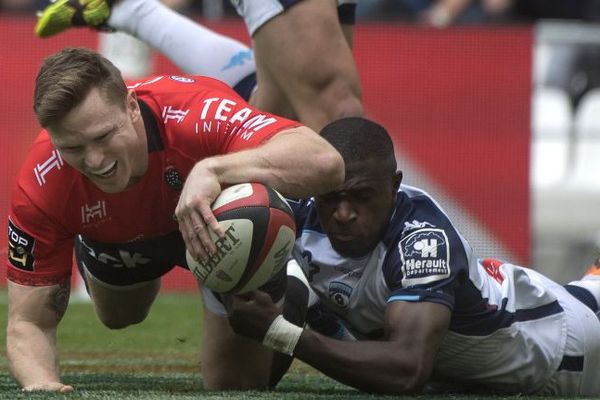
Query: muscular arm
x,y
398,364
297,162
33,316
401,363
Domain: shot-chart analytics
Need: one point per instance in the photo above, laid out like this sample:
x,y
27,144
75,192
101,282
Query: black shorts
x,y
124,264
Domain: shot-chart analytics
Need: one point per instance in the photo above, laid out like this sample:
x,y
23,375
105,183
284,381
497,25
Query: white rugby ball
x,y
259,235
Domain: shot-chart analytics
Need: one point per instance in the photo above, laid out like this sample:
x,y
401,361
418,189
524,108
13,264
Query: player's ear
x,y
397,180
133,108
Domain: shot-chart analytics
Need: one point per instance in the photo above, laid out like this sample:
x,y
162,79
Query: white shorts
x,y
553,348
257,12
578,373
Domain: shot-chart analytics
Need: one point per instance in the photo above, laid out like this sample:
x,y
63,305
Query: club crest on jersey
x,y
20,248
182,79
425,256
173,179
340,293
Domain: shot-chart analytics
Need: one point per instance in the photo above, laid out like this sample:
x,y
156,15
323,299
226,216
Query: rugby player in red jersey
x,y
126,177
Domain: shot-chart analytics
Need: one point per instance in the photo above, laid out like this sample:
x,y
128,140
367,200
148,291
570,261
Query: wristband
x,y
282,336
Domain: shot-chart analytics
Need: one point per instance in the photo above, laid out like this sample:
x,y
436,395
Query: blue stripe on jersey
x,y
476,325
538,312
404,297
571,363
441,294
584,296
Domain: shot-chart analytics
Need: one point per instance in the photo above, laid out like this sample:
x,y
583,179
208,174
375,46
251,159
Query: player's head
x,y
355,215
94,121
67,77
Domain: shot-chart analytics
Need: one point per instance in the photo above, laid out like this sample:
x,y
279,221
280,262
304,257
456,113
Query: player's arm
x,y
296,161
33,315
400,363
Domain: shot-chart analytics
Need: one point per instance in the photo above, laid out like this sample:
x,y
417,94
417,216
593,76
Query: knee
x,y
345,105
343,98
332,97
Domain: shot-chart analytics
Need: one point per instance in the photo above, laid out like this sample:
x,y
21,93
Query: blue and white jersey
x,y
508,327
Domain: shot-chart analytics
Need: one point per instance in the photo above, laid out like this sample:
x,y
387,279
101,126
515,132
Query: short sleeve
x,y
425,265
39,253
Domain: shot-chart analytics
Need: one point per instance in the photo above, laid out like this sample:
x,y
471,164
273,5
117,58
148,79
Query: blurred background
x,y
494,106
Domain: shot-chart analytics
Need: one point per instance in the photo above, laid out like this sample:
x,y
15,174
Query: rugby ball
x,y
259,235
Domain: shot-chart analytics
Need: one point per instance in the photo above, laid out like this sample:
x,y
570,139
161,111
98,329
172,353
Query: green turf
x,y
158,359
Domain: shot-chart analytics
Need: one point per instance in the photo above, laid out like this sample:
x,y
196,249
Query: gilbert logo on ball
x,y
259,236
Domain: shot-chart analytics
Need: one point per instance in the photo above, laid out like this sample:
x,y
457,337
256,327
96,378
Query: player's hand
x,y
48,387
194,213
251,314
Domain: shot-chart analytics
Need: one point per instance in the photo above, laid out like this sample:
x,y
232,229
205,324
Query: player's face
x,y
104,141
355,216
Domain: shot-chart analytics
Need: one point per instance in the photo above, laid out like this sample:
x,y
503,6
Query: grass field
x,y
157,359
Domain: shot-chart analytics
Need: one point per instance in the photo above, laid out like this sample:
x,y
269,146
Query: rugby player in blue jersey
x,y
414,303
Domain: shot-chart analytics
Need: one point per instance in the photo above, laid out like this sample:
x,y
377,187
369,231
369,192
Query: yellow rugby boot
x,y
61,15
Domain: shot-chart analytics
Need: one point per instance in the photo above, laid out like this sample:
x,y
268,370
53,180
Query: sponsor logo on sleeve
x,y
20,248
171,114
425,257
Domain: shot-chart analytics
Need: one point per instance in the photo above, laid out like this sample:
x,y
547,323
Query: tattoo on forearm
x,y
60,299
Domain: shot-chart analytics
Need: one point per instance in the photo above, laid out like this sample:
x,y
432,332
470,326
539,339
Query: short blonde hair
x,y
67,77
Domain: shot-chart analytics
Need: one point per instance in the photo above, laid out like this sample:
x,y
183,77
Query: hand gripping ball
x,y
259,235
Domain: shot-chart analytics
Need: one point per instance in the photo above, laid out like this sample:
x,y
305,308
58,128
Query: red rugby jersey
x,y
187,119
